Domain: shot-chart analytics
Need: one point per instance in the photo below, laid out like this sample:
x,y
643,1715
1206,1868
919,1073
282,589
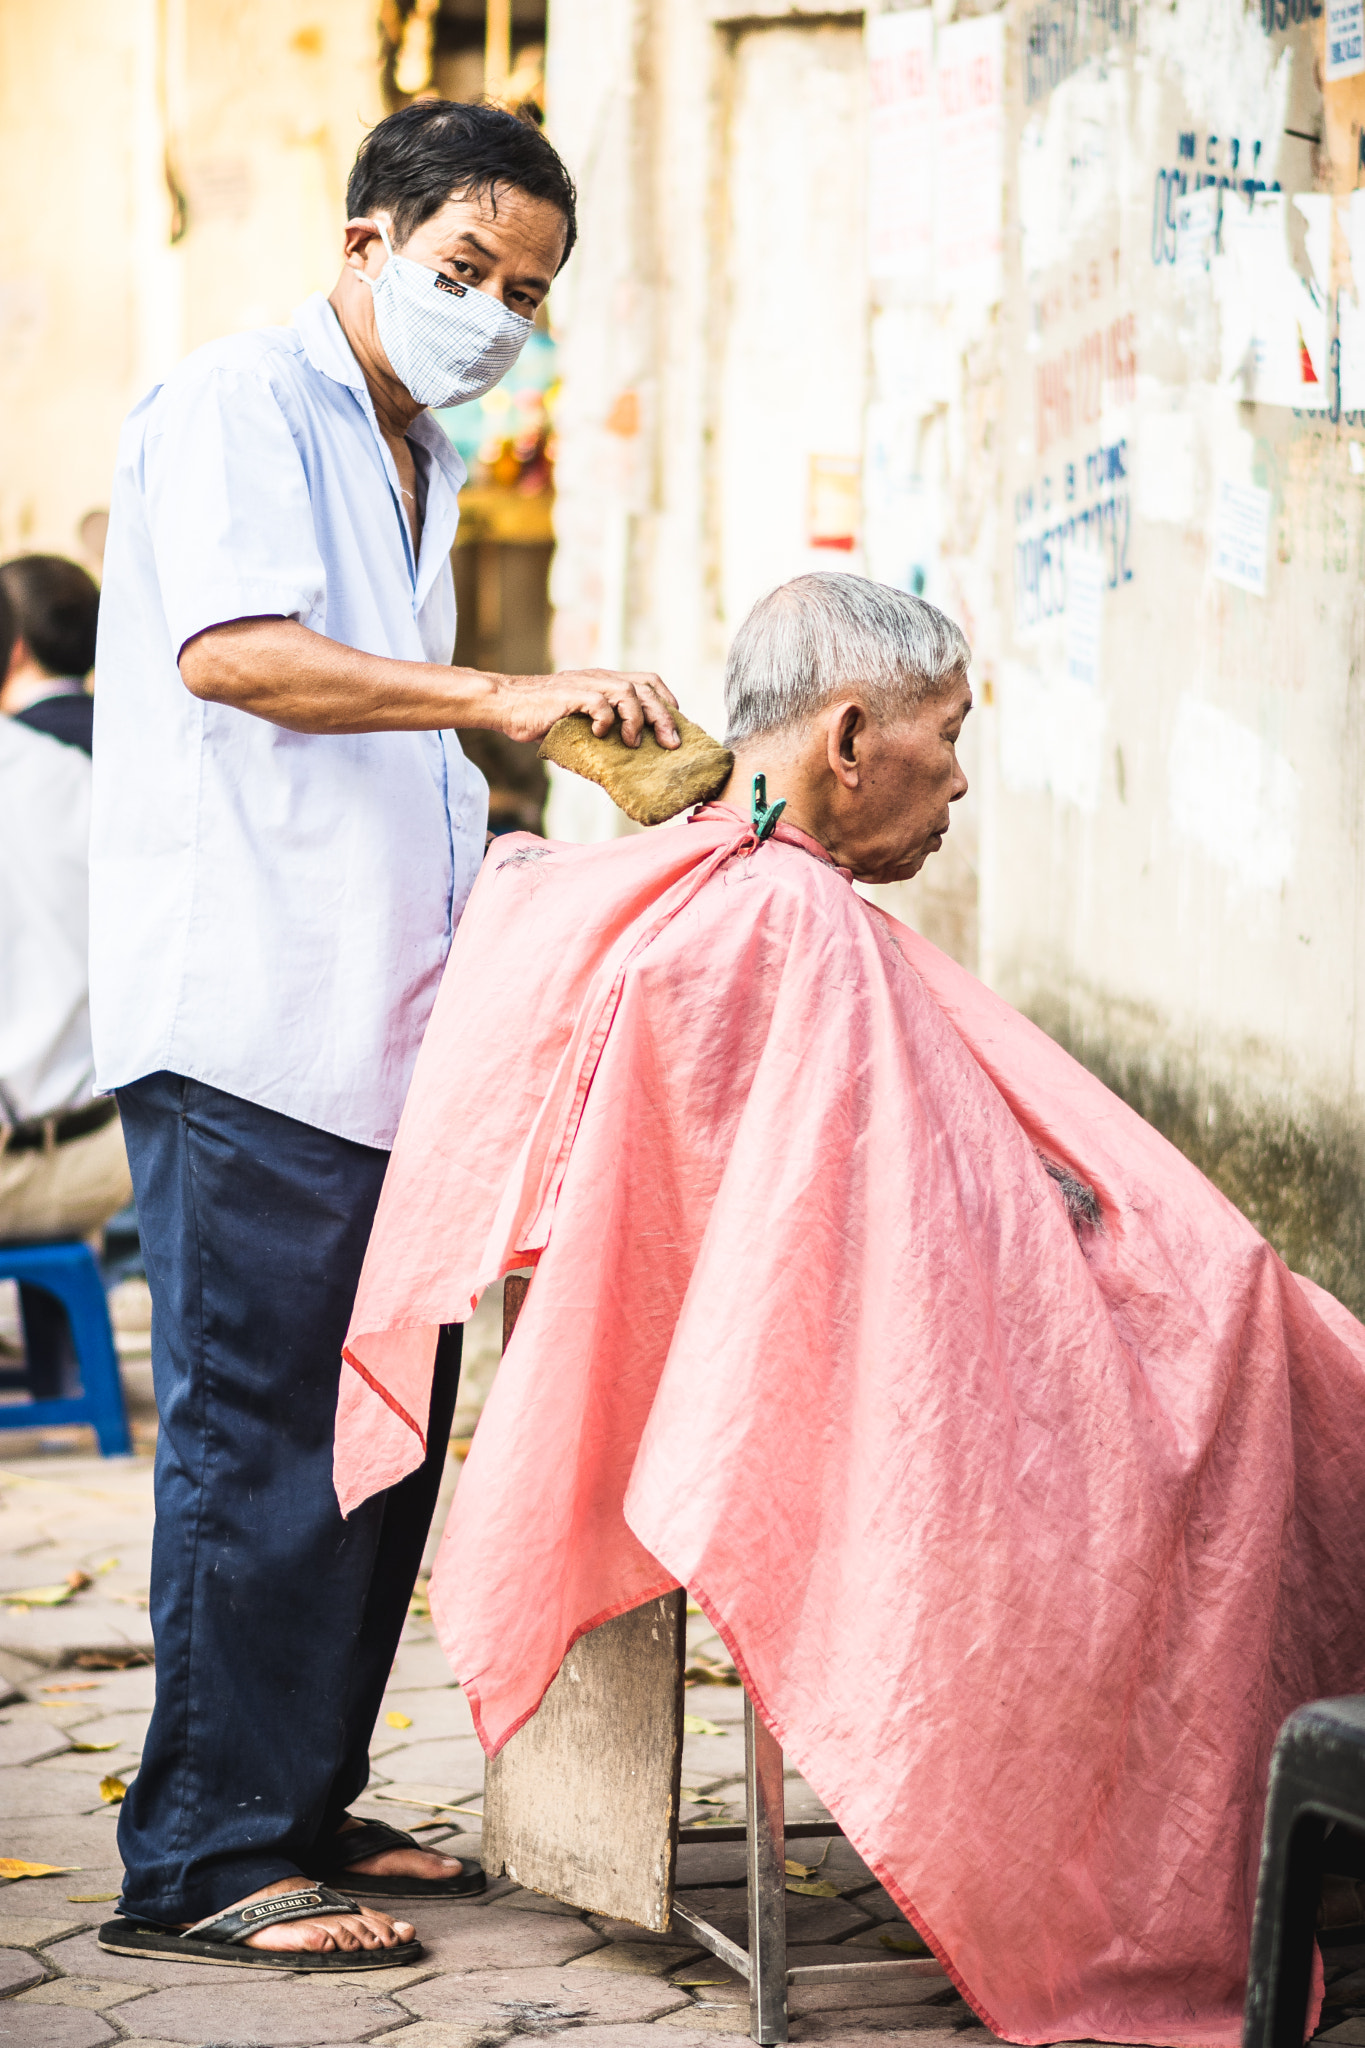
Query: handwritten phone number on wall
x,y
1103,527
1195,171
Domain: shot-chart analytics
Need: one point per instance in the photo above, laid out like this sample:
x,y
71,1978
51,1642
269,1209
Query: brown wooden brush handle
x,y
514,1290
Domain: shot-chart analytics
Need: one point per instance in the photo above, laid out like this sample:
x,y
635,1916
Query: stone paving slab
x,y
536,2000
453,1762
447,2034
89,1994
465,1938
636,1958
40,2027
711,2019
710,1759
286,2012
87,1842
17,1931
923,2026
92,1765
17,1969
40,1793
807,1919
23,1742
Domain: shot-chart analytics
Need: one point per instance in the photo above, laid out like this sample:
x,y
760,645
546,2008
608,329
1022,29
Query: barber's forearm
x,y
278,670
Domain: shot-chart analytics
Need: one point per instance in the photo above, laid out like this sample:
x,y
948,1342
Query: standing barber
x,y
285,831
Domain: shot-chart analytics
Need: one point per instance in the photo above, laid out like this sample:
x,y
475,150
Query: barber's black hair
x,y
55,606
411,162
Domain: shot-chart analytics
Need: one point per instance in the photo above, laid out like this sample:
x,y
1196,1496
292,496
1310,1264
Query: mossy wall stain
x,y
1298,1176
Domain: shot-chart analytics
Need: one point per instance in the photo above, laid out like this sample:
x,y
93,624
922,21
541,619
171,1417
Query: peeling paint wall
x,y
1090,273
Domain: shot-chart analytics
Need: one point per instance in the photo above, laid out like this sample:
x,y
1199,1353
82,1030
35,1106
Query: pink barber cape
x,y
1024,1538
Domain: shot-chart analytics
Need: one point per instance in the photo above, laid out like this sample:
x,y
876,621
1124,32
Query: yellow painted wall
x,y
259,107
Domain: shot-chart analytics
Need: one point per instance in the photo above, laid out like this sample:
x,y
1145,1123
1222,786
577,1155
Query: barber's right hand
x,y
527,706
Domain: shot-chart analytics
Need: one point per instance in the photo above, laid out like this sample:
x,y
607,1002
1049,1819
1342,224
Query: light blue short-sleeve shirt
x,y
271,910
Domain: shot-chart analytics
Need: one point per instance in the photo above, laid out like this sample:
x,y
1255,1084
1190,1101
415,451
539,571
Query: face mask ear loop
x,y
383,234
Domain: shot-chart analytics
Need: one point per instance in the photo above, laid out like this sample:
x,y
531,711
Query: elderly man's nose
x,y
959,787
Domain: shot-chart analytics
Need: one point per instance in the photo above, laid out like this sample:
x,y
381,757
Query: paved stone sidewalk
x,y
510,1964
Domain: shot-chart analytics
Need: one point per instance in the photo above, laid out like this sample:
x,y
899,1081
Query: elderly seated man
x,y
1022,1479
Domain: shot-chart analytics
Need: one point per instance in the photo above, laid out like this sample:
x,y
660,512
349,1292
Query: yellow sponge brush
x,y
649,783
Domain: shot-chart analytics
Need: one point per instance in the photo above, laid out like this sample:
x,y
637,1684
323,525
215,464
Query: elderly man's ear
x,y
846,733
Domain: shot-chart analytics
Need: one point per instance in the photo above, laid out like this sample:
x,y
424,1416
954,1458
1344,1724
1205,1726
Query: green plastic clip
x,y
764,814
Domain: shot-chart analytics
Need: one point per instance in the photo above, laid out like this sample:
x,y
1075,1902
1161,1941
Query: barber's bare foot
x,y
364,1928
400,1862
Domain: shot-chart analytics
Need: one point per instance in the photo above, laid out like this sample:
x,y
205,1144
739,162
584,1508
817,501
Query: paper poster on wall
x,y
1351,311
1084,620
969,159
1274,318
900,67
1241,534
1345,39
833,502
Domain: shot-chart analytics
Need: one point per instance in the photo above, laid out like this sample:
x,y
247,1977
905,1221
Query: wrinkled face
x,y
909,775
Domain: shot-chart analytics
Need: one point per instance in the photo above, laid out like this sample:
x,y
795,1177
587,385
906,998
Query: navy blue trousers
x,y
275,1621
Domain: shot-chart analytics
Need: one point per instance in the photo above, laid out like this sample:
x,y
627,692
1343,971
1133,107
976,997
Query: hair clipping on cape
x,y
764,814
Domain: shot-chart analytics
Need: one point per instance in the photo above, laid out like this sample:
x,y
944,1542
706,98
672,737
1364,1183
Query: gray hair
x,y
809,639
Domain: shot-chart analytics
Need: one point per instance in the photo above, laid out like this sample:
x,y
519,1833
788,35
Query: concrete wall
x,y
178,170
1105,370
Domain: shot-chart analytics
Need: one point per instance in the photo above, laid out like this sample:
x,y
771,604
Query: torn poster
x,y
900,70
969,160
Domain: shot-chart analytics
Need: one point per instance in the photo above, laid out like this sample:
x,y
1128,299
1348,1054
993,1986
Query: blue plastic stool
x,y
69,1272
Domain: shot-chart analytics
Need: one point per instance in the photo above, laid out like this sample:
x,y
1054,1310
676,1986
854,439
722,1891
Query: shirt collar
x,y
329,352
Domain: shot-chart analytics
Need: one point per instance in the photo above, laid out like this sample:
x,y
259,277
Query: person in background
x,y
63,1169
55,606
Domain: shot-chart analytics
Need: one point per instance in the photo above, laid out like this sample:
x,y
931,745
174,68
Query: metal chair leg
x,y
767,1881
1317,1774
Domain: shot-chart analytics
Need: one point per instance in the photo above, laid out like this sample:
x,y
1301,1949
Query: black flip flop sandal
x,y
219,1939
371,1838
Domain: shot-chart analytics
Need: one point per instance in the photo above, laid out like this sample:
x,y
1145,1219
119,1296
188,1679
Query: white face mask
x,y
447,342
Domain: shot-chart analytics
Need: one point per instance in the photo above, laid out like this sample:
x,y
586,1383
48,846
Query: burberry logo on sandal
x,y
267,1907
448,284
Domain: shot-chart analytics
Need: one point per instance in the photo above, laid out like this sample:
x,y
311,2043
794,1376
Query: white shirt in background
x,y
46,1064
271,909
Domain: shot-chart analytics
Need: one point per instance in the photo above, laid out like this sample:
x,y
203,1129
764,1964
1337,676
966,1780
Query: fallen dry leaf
x,y
693,1724
907,1943
90,1898
10,1867
795,1869
396,1720
420,1605
110,1565
112,1790
684,1982
74,1685
78,1581
40,1596
819,1889
92,1748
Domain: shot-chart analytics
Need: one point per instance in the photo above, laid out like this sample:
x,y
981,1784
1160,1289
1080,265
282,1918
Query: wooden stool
x,y
582,1803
